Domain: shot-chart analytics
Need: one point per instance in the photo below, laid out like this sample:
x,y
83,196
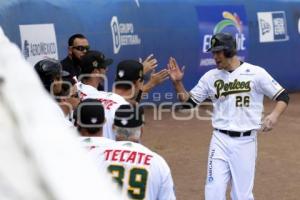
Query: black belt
x,y
234,133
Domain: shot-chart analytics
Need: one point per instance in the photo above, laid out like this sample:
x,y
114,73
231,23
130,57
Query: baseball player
x,y
90,117
155,78
90,78
50,72
138,171
129,82
236,90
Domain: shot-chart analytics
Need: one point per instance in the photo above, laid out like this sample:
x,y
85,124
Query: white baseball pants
x,y
231,159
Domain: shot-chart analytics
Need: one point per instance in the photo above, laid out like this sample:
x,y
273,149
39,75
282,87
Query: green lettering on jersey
x,y
224,89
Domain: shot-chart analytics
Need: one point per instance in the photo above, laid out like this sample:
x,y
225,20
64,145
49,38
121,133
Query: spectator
x,y
78,45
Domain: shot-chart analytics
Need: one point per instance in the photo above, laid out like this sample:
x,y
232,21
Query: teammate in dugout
x,y
128,87
236,90
91,77
90,117
50,72
140,172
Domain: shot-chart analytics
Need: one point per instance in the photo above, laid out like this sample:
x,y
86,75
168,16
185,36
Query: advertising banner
x,y
38,42
214,19
272,26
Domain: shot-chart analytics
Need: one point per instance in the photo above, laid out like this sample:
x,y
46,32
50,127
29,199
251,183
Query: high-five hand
x,y
175,73
149,63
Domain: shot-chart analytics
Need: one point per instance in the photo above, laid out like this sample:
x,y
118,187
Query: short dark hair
x,y
73,37
91,131
124,86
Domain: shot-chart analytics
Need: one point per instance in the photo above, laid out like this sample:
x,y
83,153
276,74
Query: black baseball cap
x,y
90,114
129,70
92,60
50,67
221,41
129,116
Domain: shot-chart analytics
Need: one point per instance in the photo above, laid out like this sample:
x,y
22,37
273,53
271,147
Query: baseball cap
x,y
50,67
129,116
90,113
221,41
129,70
92,60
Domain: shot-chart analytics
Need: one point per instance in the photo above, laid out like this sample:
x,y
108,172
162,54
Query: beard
x,y
75,60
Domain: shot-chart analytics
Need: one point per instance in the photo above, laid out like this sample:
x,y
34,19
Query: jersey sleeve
x,y
268,86
200,92
167,189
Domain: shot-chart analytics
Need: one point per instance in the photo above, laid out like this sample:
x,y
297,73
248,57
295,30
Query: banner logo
x,y
272,26
216,19
38,42
123,34
230,19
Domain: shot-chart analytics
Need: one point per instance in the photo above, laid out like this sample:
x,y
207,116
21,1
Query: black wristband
x,y
189,104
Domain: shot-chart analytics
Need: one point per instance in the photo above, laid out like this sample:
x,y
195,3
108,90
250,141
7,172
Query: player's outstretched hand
x,y
159,77
175,73
268,123
149,63
155,79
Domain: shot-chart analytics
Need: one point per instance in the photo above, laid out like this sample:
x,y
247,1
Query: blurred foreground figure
x,y
40,158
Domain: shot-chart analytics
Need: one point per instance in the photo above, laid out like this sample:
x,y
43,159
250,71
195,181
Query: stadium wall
x,y
268,32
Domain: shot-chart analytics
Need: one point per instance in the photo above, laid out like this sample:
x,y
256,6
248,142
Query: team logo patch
x,y
87,140
95,63
124,122
213,42
121,73
141,73
94,120
128,144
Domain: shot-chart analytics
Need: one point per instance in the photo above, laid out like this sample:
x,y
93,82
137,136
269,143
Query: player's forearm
x,y
183,95
148,86
280,107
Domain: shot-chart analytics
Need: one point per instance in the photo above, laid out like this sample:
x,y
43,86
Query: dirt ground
x,y
184,144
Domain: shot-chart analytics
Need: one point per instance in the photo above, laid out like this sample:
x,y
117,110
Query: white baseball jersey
x,y
141,173
110,101
95,142
242,92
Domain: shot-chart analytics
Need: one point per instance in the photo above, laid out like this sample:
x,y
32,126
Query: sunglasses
x,y
82,48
